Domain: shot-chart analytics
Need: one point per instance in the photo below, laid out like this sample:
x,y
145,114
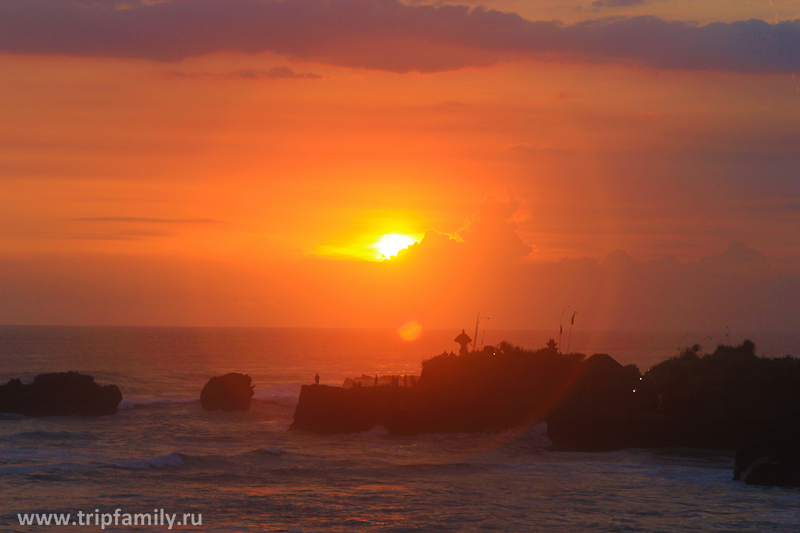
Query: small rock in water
x,y
775,462
231,392
59,394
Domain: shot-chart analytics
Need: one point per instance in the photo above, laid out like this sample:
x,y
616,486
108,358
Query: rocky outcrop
x,y
59,394
774,461
608,407
722,400
480,391
324,409
231,392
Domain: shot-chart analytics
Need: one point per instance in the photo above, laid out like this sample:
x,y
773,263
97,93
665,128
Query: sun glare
x,y
388,245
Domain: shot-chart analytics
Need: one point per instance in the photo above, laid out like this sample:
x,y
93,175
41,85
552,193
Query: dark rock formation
x,y
608,407
480,391
59,394
774,461
723,400
324,409
231,392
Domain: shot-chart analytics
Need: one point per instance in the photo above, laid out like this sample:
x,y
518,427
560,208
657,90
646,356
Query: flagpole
x,y
561,328
569,338
477,322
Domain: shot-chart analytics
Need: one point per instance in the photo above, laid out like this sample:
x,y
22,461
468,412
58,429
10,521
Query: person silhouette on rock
x,y
316,379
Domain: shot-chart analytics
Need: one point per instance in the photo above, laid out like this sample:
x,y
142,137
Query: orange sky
x,y
225,180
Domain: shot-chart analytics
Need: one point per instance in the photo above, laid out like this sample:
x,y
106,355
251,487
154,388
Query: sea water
x,y
245,471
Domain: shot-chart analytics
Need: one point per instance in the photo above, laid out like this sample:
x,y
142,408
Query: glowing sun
x,y
391,243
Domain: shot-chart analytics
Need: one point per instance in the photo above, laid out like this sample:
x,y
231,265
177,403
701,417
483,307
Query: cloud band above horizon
x,y
385,35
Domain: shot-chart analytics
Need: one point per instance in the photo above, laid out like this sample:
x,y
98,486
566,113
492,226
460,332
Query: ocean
x,y
245,472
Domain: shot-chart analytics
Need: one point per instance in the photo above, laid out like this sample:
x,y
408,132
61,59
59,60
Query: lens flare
x,y
410,331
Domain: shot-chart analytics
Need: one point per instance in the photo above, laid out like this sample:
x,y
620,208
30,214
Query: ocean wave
x,y
42,435
264,451
377,431
287,394
136,403
72,461
173,459
177,459
21,469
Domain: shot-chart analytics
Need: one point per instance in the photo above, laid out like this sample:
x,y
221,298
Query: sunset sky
x,y
235,162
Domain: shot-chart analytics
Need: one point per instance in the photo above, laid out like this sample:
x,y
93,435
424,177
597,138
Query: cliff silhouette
x,y
491,390
726,399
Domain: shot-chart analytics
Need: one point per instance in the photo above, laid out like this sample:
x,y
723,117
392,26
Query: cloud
x,y
489,237
737,258
493,229
275,73
114,236
527,148
599,4
440,288
385,35
147,220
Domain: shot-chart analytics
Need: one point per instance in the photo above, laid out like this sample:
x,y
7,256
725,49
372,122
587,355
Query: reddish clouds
x,y
161,180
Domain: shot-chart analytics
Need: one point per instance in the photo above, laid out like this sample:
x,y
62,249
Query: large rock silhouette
x,y
727,399
59,394
478,392
231,392
774,461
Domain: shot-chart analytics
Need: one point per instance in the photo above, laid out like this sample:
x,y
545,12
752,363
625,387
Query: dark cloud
x,y
737,258
599,4
147,220
384,34
275,73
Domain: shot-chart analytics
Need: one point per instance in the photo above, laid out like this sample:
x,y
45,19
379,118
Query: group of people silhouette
x,y
396,381
408,381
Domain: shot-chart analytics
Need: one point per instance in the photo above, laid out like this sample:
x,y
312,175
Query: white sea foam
x,y
285,394
377,431
131,403
266,451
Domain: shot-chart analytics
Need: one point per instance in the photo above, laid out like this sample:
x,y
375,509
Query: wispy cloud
x,y
89,236
147,220
527,148
385,34
599,4
275,73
